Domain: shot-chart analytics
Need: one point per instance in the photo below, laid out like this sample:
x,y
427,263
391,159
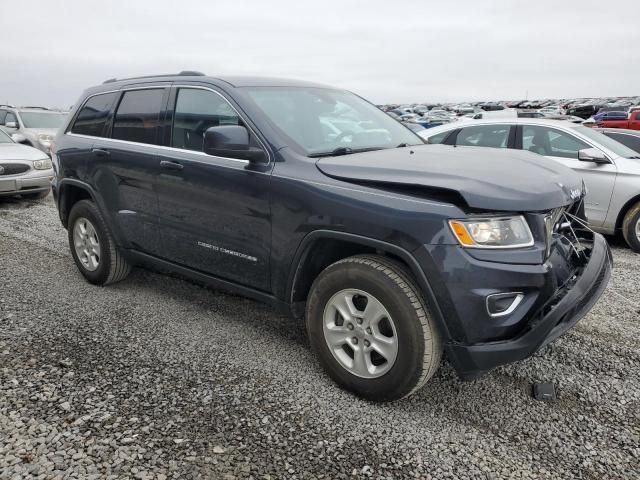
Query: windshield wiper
x,y
336,152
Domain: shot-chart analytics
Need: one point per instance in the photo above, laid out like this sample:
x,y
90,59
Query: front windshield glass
x,y
4,138
321,120
42,119
613,145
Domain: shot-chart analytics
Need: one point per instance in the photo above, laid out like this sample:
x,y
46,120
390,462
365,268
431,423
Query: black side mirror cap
x,y
232,141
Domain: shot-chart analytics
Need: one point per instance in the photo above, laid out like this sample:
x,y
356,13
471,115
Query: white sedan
x,y
24,171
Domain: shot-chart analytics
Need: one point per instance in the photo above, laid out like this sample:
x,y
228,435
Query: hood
x,y
486,178
15,151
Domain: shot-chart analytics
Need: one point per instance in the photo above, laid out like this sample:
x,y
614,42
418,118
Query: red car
x,y
631,123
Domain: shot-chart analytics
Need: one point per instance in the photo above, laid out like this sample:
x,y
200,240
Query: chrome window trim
x,y
162,147
174,149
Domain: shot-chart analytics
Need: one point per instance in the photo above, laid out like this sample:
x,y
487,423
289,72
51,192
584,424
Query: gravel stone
x,y
158,378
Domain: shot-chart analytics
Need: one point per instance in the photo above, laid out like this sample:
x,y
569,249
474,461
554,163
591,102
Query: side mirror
x,y
592,155
18,138
11,125
232,141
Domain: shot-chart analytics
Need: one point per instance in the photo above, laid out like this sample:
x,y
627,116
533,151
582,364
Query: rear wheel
x,y
370,328
92,246
631,227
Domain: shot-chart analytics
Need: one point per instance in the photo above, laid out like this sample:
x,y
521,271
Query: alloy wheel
x,y
86,244
360,333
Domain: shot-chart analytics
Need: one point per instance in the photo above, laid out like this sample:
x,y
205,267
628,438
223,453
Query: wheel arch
x,y
625,208
71,191
333,246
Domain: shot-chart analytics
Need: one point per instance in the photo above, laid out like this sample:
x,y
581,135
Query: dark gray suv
x,y
313,200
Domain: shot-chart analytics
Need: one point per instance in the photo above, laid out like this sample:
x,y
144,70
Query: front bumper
x,y
30,182
546,319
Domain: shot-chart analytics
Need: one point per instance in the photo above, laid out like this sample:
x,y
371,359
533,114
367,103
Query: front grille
x,y
13,168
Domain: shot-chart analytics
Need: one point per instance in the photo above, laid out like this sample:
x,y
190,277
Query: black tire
x,y
419,349
112,266
630,227
36,195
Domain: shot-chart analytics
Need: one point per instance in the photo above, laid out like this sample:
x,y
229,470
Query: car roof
x,y
562,124
233,81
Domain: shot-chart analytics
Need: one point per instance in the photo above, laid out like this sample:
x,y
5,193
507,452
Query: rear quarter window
x,y
93,116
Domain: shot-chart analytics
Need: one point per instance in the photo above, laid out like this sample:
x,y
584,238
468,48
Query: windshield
x,y
42,119
321,121
613,145
4,138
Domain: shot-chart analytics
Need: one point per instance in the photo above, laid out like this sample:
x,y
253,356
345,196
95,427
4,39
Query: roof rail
x,y
184,73
6,105
34,107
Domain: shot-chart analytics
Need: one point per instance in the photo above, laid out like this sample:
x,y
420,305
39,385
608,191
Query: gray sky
x,y
387,51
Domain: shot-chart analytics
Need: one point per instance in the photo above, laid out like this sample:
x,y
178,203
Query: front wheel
x,y
631,227
371,329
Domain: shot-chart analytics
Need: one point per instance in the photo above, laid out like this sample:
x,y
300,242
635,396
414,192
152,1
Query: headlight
x,y
43,137
44,164
492,232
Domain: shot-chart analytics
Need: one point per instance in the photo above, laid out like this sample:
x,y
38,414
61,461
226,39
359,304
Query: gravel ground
x,y
158,378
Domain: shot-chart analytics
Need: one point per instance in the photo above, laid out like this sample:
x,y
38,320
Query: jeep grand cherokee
x,y
313,200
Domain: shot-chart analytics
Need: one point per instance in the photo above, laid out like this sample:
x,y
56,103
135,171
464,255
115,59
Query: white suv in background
x,y
33,126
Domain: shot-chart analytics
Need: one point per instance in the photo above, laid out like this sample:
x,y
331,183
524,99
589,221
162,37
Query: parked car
x,y
629,138
394,251
33,126
610,115
632,122
611,171
552,110
583,111
24,170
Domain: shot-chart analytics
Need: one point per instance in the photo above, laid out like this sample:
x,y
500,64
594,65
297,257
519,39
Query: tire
x,y
404,318
109,265
36,195
631,227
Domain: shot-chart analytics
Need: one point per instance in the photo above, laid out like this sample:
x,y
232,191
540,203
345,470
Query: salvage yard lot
x,y
155,377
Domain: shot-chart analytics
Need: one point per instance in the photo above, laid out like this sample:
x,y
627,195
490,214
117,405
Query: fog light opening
x,y
502,304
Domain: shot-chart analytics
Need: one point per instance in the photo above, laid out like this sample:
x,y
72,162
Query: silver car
x,y
24,171
33,126
611,171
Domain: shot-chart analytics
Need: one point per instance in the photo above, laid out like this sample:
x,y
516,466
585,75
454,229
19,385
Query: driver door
x,y
215,215
563,148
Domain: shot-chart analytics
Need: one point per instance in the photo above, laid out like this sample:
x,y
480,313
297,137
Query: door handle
x,y
99,152
169,165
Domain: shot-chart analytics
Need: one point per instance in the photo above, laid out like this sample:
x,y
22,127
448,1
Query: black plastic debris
x,y
545,392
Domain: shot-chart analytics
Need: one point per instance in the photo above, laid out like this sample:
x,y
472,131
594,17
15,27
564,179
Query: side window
x,y
138,116
92,118
196,111
438,137
496,136
551,142
3,114
631,141
11,118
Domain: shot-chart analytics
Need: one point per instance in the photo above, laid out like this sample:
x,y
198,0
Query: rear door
x,y
214,211
634,121
563,147
125,166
